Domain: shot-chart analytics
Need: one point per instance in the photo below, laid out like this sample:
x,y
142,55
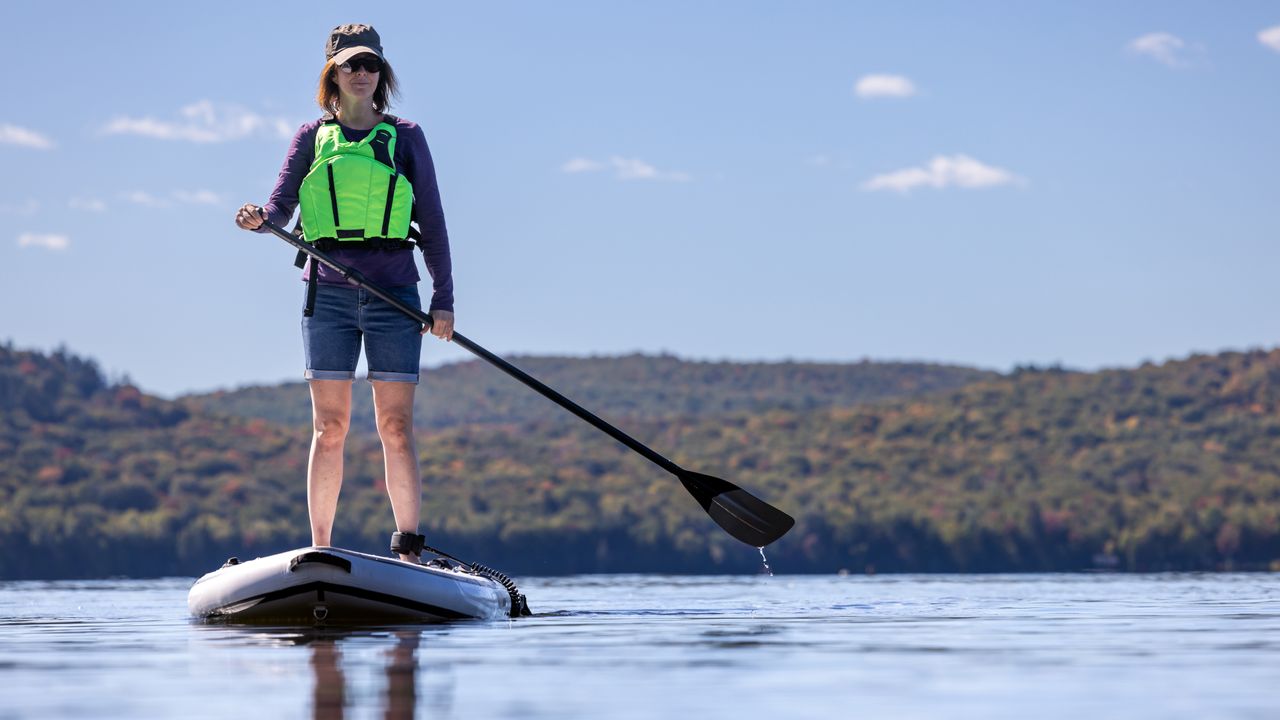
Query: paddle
x,y
741,514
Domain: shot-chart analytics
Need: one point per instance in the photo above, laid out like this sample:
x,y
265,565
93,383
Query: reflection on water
x,y
329,691
402,693
645,646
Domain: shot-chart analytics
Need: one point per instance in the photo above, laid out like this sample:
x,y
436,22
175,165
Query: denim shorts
x,y
345,315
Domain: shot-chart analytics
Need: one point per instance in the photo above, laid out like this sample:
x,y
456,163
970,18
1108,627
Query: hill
x,y
626,387
1159,467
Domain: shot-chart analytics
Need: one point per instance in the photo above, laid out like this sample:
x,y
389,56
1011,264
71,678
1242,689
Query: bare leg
x,y
331,415
393,407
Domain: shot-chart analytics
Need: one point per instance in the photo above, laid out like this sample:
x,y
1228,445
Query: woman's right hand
x,y
249,217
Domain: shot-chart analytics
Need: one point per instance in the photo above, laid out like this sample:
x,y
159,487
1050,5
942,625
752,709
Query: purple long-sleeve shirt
x,y
388,268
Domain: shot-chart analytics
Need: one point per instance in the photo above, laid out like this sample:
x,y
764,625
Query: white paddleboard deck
x,y
334,586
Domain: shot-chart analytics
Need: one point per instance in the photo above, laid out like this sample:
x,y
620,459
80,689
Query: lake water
x,y
647,646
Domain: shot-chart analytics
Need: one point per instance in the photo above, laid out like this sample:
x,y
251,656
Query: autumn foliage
x,y
886,467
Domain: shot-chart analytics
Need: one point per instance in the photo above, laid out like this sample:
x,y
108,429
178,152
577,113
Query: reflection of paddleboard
x,y
336,586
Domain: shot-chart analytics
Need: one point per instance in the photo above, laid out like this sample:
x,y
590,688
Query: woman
x,y
359,176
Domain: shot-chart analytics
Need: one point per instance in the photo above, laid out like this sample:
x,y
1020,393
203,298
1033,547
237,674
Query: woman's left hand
x,y
441,325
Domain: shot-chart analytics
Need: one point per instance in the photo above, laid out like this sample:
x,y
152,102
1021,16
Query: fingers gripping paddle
x,y
741,514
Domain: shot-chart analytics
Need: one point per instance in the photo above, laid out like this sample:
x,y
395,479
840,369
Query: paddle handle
x,y
355,278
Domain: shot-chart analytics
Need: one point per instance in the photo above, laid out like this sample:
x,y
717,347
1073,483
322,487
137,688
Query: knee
x,y
395,431
330,432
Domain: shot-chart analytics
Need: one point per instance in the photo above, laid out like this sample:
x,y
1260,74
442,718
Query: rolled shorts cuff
x,y
382,376
348,375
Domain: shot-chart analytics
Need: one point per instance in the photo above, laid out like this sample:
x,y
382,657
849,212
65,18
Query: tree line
x,y
1159,467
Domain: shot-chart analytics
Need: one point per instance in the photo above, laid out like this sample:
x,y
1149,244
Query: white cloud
x,y
22,137
48,242
1161,47
143,198
959,171
1270,37
875,86
633,169
818,160
625,169
175,197
581,165
26,207
203,122
637,169
197,197
87,204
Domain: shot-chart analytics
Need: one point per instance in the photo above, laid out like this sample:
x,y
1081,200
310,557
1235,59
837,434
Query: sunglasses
x,y
368,63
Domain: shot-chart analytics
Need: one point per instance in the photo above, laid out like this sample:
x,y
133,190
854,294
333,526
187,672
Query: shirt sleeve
x,y
284,196
429,215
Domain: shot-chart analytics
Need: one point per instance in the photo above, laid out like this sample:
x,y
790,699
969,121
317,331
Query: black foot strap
x,y
403,543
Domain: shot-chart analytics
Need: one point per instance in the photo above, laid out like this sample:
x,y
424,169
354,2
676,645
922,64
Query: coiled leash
x,y
403,543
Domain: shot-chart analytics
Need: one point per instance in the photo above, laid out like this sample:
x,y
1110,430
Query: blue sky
x,y
989,183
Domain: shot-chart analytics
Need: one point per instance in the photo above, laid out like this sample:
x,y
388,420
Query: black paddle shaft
x,y
741,514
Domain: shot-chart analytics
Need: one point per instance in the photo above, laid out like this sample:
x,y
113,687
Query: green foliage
x,y
1159,467
626,387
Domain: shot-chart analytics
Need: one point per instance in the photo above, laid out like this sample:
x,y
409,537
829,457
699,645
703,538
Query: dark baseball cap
x,y
348,41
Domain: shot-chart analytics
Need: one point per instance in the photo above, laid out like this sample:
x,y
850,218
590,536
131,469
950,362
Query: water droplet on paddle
x,y
765,560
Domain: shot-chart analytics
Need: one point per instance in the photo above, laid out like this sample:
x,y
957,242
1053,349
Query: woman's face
x,y
361,82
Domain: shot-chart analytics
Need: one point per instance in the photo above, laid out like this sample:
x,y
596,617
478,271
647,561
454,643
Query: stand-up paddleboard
x,y
341,587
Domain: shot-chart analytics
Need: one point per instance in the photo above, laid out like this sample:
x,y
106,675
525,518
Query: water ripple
x,y
642,646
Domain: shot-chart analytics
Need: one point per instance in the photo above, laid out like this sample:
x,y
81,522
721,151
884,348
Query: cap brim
x,y
351,52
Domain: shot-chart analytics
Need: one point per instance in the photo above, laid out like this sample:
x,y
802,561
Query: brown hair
x,y
329,99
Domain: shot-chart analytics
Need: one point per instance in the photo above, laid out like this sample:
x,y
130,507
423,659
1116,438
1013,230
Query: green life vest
x,y
353,195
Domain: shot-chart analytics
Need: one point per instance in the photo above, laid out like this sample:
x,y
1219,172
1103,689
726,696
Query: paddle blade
x,y
741,514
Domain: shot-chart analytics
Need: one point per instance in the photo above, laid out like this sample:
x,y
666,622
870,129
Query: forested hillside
x,y
631,386
1174,466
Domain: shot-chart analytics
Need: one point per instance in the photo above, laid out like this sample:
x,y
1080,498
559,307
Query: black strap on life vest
x,y
331,244
300,261
391,197
333,196
381,144
349,239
